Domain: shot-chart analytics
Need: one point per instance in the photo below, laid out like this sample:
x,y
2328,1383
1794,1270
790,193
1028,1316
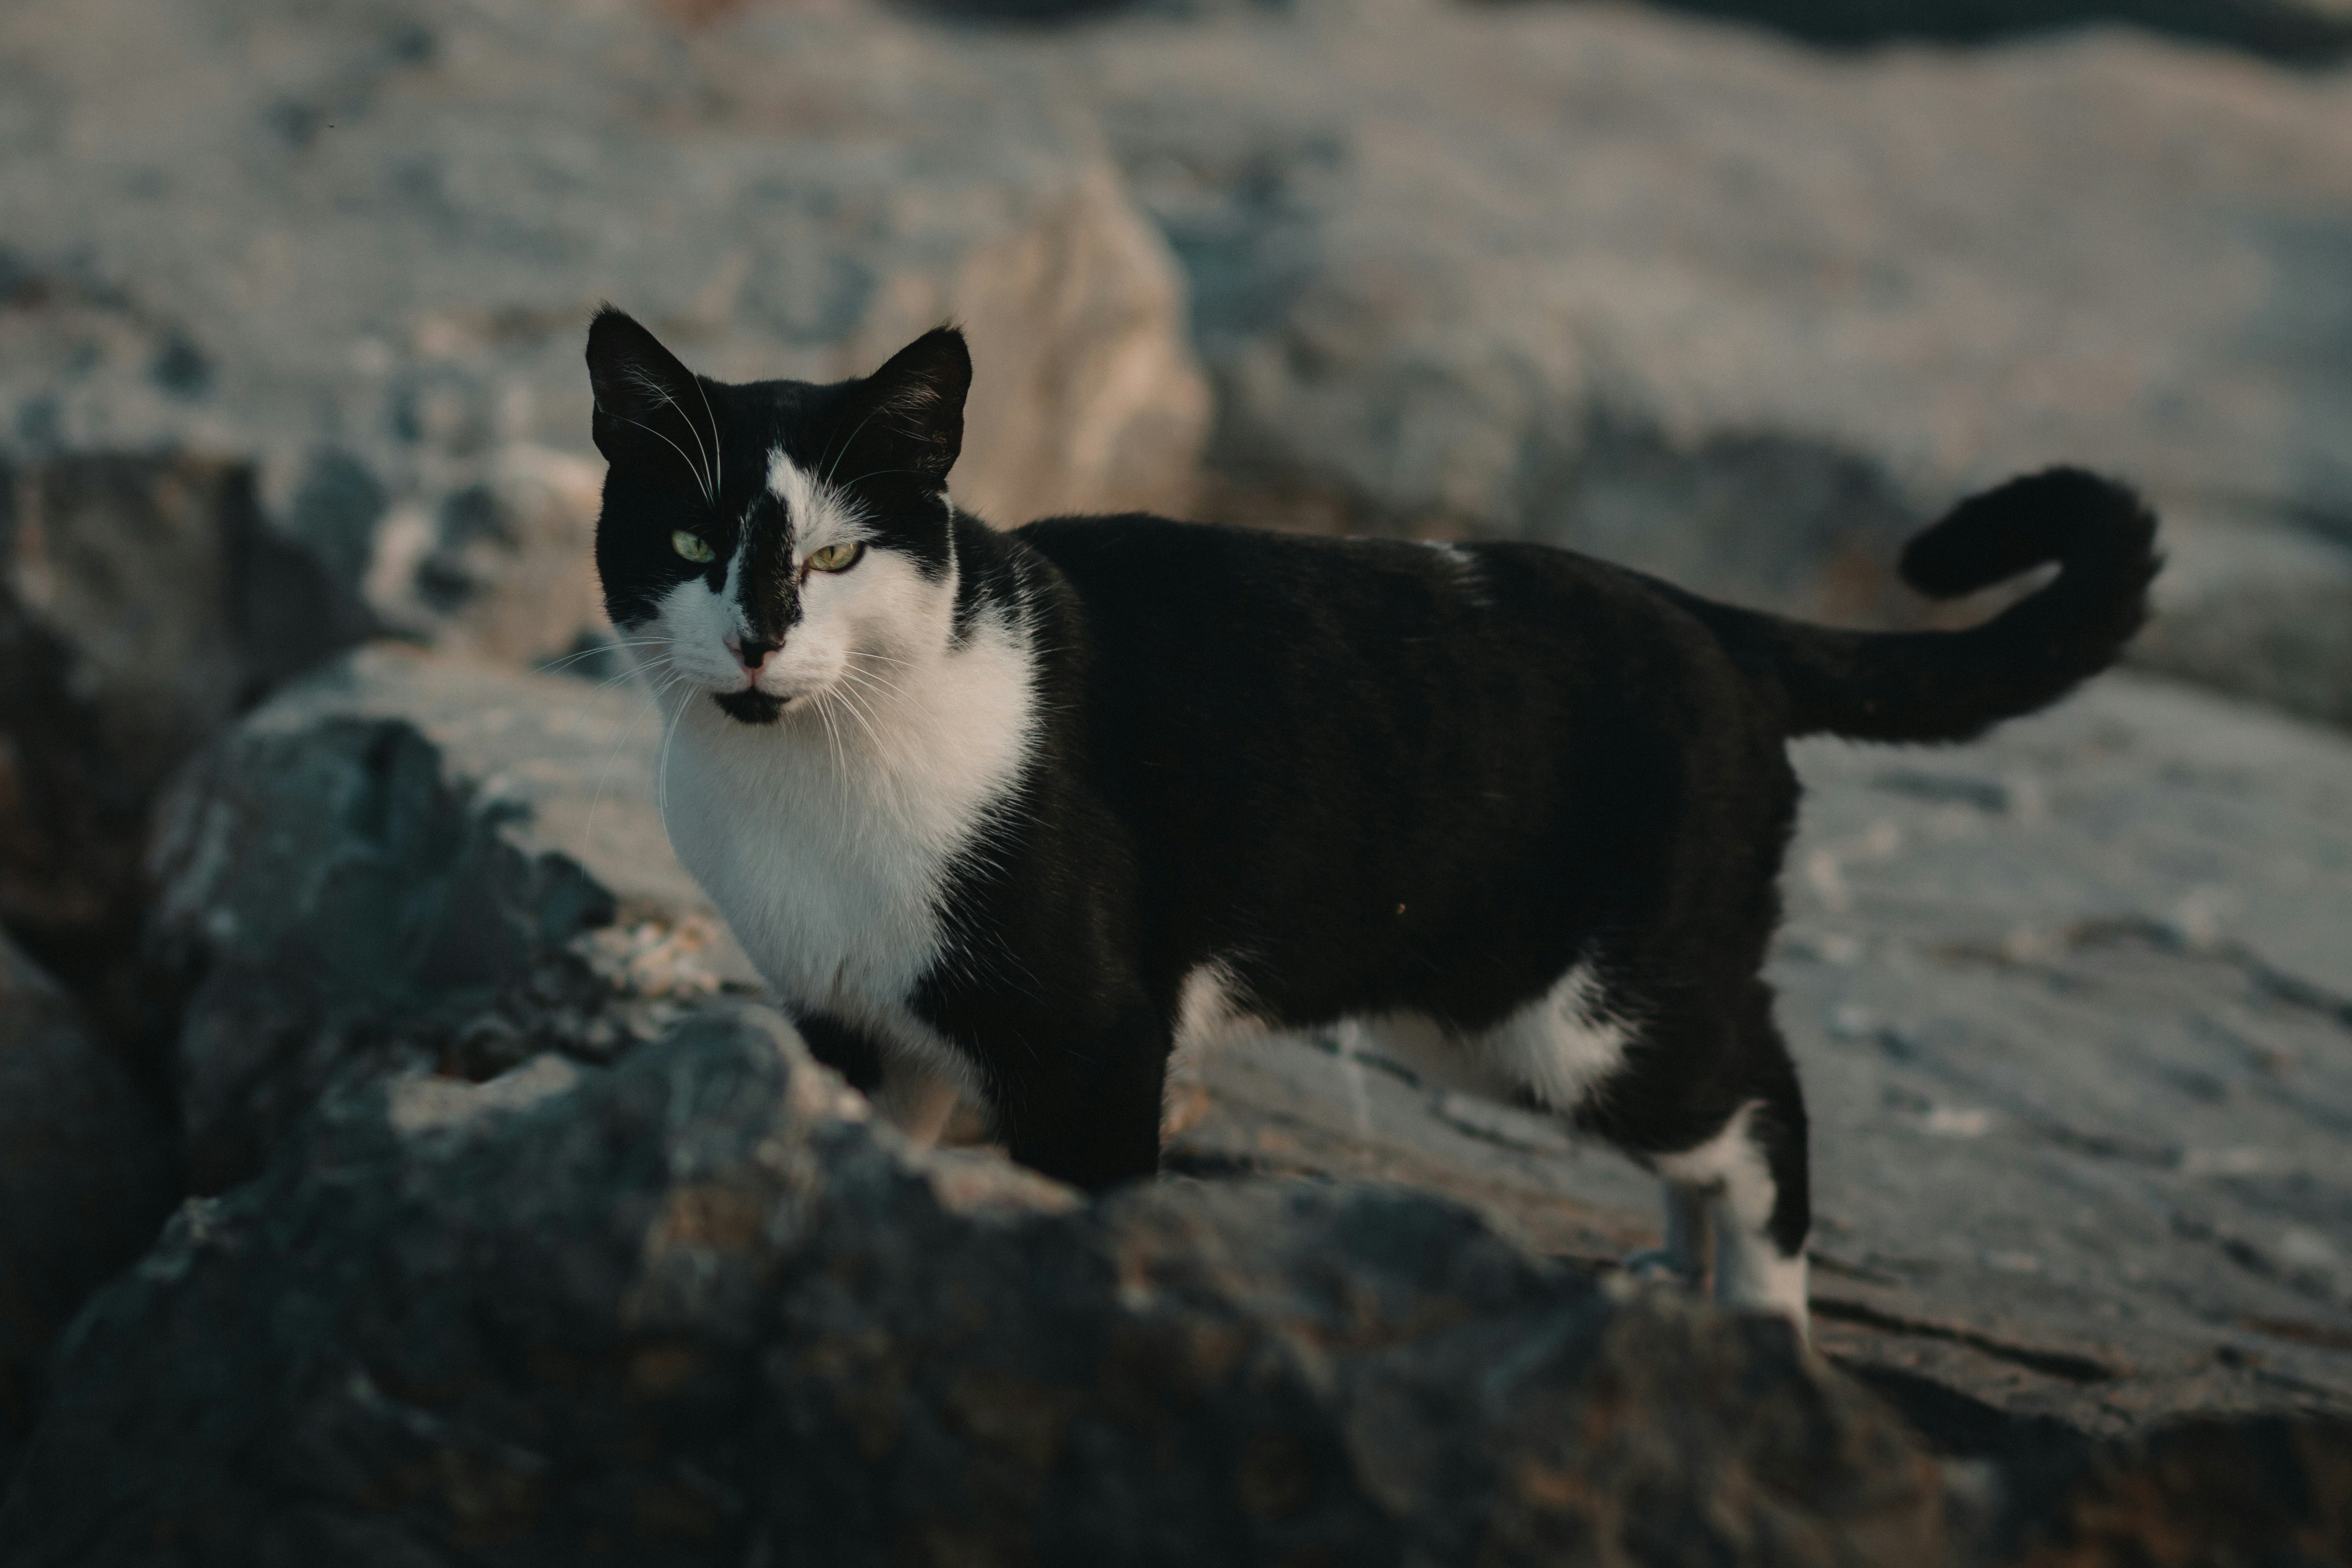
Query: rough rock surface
x,y
143,604
412,860
2074,1007
88,1172
360,242
2267,1491
682,1310
1726,309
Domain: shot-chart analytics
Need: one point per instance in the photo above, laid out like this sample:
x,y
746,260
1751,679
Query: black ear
x,y
906,418
650,409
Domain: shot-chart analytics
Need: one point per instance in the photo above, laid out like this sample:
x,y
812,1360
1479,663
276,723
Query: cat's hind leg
x,y
1752,1181
1683,1259
1717,1115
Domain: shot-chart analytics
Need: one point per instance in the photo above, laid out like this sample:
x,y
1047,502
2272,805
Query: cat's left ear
x,y
907,416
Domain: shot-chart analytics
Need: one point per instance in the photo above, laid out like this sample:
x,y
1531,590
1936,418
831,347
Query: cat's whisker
x,y
866,680
555,666
600,690
878,473
845,445
865,718
718,456
661,767
819,705
690,468
701,473
604,775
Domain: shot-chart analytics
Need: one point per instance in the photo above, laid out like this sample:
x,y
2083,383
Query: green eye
x,y
691,546
836,557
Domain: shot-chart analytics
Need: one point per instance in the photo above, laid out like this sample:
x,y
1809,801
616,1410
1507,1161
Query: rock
x,y
411,861
2302,31
2072,1008
362,247
141,606
1726,310
506,571
2271,1491
687,1310
88,1172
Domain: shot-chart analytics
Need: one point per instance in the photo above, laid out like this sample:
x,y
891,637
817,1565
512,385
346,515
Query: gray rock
x,y
1724,308
2268,1491
685,1309
360,244
2073,1006
88,1170
143,604
410,861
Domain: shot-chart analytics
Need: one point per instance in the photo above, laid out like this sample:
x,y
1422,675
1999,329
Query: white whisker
x,y
674,446
701,473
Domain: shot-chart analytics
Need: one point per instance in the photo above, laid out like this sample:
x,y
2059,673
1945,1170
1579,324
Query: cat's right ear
x,y
650,409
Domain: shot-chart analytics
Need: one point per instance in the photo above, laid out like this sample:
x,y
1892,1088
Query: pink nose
x,y
749,652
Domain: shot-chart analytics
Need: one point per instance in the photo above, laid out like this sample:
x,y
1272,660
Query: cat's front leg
x,y
913,1095
1083,1107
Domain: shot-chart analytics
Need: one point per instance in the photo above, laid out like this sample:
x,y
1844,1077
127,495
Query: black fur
x,y
1372,776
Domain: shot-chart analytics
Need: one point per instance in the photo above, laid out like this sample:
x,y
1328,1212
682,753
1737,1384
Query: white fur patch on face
x,y
858,627
877,603
1729,1174
684,645
821,515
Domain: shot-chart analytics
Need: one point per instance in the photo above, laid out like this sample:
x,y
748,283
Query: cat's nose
x,y
751,652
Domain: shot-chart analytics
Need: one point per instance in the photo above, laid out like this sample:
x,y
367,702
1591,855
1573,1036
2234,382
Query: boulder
x,y
1734,311
414,861
142,606
2272,1489
691,1309
88,1170
360,244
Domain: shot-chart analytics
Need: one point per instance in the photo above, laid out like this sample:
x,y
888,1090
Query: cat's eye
x,y
693,546
836,557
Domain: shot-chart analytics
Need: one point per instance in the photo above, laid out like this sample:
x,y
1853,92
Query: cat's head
x,y
757,540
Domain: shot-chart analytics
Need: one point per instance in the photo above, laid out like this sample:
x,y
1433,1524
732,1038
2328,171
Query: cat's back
x,y
1252,610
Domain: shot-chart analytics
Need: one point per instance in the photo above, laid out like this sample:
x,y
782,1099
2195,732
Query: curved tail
x,y
1951,686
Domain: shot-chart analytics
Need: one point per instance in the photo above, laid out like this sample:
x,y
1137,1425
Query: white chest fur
x,y
827,846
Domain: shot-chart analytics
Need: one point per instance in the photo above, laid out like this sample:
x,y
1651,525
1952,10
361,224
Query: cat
x,y
1013,816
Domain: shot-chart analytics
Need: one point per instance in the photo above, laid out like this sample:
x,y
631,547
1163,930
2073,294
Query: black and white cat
x,y
1016,816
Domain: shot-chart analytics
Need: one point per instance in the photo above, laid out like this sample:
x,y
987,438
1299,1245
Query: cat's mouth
x,y
750,707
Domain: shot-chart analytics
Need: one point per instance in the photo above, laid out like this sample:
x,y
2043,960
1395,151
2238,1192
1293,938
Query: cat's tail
x,y
1951,686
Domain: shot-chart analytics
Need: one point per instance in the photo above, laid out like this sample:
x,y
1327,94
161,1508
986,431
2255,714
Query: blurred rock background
x,y
291,303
